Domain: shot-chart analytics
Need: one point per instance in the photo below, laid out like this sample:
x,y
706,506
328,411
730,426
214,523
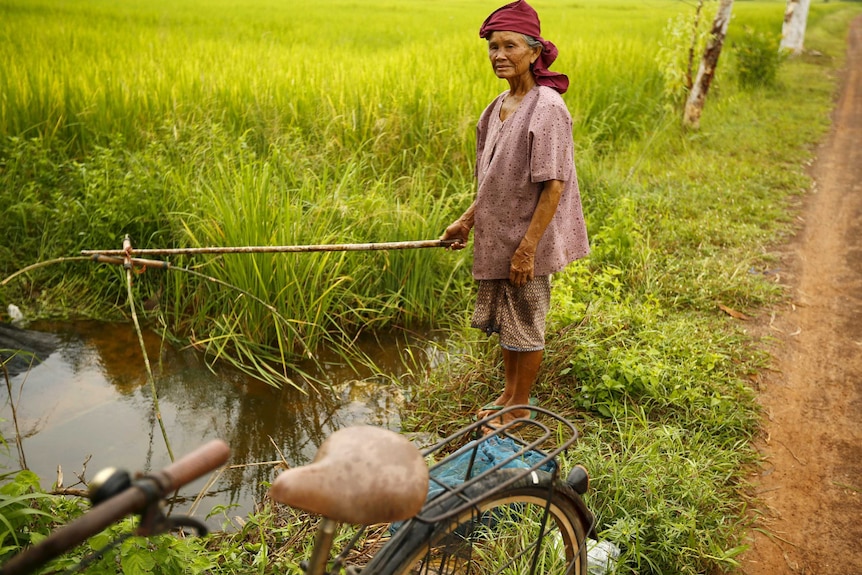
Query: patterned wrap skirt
x,y
517,314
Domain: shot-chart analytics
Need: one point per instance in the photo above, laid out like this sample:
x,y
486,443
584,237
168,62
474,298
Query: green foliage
x,y
24,512
679,49
664,493
28,515
757,58
163,555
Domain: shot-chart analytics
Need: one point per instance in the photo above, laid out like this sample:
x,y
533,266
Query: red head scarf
x,y
520,17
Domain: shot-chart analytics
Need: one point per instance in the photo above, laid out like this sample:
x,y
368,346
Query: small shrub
x,y
26,512
757,58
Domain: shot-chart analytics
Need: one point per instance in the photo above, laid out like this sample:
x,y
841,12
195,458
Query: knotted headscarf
x,y
522,18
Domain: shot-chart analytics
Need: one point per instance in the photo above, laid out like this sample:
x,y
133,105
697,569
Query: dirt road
x,y
810,489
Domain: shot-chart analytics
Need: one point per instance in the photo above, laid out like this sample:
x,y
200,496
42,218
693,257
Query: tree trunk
x,y
795,22
706,71
694,30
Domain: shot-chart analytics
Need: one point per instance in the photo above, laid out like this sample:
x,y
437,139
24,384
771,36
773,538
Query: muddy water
x,y
89,405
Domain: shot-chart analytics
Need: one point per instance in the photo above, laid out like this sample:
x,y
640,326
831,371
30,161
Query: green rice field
x,y
227,125
264,123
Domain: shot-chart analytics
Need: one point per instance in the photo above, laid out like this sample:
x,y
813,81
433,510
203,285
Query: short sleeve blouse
x,y
513,159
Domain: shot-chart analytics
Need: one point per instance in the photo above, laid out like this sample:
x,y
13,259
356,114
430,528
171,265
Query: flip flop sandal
x,y
494,407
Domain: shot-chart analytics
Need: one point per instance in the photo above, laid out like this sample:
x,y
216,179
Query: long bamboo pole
x,y
406,245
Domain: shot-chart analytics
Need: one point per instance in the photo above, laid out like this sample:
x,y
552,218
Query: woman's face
x,y
510,55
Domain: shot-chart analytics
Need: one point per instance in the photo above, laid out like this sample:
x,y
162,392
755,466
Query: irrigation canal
x,y
89,401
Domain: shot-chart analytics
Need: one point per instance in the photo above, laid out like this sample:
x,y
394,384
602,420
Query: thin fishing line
x,y
150,377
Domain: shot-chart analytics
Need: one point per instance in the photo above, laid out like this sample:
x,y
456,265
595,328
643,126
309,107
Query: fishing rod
x,y
127,257
127,252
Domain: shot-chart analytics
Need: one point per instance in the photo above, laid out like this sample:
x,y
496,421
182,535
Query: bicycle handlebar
x,y
202,460
135,499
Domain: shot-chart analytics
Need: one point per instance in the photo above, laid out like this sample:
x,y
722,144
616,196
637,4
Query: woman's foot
x,y
498,404
506,419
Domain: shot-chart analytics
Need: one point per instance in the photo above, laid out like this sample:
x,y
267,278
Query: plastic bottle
x,y
602,557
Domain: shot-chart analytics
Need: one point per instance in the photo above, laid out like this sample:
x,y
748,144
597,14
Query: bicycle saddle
x,y
360,475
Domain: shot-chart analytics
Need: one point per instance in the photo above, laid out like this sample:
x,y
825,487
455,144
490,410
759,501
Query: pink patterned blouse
x,y
513,159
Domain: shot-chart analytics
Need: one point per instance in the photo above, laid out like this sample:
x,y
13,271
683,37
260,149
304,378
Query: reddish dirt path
x,y
810,489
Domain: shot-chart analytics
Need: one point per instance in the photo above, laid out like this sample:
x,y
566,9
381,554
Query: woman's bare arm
x,y
523,260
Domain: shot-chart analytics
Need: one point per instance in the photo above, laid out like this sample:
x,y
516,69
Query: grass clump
x,y
757,58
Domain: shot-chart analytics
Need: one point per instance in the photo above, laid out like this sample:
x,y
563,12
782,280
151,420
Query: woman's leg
x,y
521,369
524,370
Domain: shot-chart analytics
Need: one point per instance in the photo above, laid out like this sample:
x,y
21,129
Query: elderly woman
x,y
527,212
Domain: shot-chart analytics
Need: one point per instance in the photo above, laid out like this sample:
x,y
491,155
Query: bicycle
x,y
493,502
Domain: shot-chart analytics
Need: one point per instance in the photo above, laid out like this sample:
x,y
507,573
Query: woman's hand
x,y
458,233
523,264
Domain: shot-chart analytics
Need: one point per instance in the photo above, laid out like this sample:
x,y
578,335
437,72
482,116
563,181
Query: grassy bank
x,y
645,347
236,126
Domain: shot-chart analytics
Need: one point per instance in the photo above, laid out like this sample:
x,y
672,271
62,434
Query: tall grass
x,y
220,124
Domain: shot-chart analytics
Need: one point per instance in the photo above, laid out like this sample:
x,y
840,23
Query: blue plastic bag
x,y
489,452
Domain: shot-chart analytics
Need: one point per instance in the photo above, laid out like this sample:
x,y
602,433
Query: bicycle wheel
x,y
532,526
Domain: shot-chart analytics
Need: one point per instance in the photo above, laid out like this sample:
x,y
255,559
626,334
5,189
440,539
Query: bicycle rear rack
x,y
527,445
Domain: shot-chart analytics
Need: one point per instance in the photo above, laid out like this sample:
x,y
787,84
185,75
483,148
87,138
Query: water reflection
x,y
91,397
